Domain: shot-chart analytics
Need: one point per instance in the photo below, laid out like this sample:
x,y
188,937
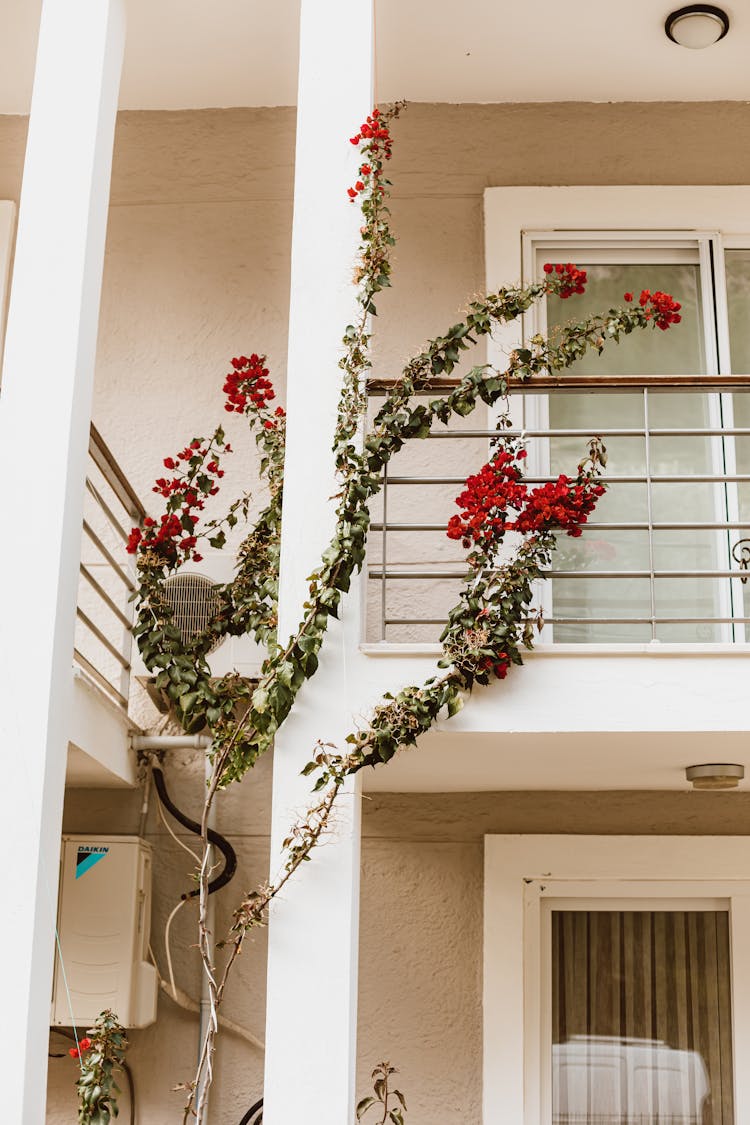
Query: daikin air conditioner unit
x,y
103,920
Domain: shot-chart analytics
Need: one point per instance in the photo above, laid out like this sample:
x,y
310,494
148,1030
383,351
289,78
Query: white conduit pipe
x,y
205,1002
148,742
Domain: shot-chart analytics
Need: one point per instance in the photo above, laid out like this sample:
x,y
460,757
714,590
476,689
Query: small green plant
x,y
391,1104
101,1053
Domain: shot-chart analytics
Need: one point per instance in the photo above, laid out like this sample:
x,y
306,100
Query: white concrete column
x,y
313,939
45,410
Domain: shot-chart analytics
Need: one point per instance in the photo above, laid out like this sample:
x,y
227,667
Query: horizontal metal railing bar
x,y
424,575
100,679
111,517
112,605
102,639
717,431
121,574
715,383
118,482
595,621
697,478
592,526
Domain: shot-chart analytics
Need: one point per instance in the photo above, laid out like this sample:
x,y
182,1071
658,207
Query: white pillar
x,y
313,938
45,412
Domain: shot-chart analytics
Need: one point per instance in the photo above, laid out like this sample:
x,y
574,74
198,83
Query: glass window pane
x,y
630,552
737,265
641,1018
641,353
740,536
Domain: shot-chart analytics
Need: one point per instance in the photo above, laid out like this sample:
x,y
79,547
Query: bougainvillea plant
x,y
101,1053
486,630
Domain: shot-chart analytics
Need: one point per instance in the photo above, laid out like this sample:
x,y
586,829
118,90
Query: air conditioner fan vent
x,y
194,601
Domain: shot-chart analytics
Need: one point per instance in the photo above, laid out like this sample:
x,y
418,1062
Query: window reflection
x,y
607,1080
641,1018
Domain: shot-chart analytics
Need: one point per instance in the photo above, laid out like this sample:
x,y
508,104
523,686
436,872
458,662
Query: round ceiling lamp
x,y
697,26
717,775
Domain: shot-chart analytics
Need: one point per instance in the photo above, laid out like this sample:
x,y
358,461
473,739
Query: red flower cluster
x,y
486,499
248,382
498,488
196,468
662,307
498,664
174,535
83,1044
562,503
570,279
378,145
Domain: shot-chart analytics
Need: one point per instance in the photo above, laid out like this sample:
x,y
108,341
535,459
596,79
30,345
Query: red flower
x,y
133,540
628,296
570,279
351,193
85,1043
169,463
662,307
73,1052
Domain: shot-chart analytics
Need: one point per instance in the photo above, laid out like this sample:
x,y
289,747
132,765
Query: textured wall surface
x,y
197,269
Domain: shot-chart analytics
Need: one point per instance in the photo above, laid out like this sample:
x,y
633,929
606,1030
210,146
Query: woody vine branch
x,y
487,628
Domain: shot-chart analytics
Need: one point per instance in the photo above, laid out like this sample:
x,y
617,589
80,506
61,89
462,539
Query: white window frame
x,y
636,212
518,219
523,874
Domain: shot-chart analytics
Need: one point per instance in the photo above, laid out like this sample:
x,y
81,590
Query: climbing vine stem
x,y
486,630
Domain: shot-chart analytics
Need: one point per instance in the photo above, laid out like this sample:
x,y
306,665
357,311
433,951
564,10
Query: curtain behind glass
x,y
641,1018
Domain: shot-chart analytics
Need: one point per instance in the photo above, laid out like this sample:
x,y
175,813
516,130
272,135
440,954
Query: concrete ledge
x,y
99,753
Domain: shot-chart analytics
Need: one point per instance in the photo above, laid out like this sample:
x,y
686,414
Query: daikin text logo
x,y
88,855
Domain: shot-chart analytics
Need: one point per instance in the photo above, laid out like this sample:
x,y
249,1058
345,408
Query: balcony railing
x,y
664,556
104,611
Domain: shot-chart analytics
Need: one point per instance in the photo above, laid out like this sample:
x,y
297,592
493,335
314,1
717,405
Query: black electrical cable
x,y
131,1090
250,1118
226,849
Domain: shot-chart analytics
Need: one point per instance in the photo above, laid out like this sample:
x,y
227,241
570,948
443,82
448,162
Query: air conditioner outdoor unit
x,y
103,921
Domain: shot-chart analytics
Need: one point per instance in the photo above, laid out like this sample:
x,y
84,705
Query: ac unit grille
x,y
194,602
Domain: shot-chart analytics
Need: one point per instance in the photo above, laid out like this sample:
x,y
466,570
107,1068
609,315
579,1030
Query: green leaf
x,y
455,704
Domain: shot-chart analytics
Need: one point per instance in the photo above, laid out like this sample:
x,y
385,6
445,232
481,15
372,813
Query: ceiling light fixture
x,y
717,775
697,26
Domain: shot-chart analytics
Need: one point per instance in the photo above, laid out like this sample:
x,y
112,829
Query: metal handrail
x,y
608,383
105,617
102,456
721,472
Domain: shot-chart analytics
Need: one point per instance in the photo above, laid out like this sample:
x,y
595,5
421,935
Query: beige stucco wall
x,y
197,269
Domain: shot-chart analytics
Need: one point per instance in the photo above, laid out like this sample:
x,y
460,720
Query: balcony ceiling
x,y
193,54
